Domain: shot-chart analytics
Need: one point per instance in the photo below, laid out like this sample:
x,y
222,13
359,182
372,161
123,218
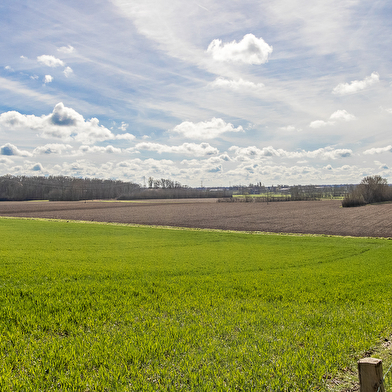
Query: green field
x,y
95,307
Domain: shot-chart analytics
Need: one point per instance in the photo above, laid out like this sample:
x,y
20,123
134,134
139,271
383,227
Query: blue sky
x,y
212,92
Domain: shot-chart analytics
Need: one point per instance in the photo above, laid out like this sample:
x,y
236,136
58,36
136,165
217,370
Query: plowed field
x,y
310,217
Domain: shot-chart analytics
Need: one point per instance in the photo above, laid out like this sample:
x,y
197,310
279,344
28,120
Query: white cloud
x,y
63,116
95,149
356,85
125,136
123,126
5,161
320,123
66,49
249,50
9,149
37,167
48,79
243,154
381,166
63,123
329,153
8,68
236,85
203,149
378,150
339,115
276,173
290,128
342,115
251,151
68,72
50,61
52,148
205,129
15,119
219,159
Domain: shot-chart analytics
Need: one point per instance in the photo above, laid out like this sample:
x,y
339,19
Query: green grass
x,y
91,307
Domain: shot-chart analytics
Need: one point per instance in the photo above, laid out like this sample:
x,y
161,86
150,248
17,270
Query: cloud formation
x,y
63,123
170,78
48,79
290,128
266,152
52,148
53,62
50,61
236,85
339,115
9,149
124,126
381,166
342,115
378,150
203,149
125,136
205,129
37,167
356,85
103,150
250,50
68,72
66,49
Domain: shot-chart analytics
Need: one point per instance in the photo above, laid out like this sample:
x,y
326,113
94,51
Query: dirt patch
x,y
308,217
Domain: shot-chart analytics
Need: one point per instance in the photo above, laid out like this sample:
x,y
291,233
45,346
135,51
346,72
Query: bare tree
x,y
372,189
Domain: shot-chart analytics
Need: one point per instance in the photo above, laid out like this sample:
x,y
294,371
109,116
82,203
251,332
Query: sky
x,y
205,92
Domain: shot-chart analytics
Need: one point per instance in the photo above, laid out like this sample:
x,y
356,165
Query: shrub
x,y
353,200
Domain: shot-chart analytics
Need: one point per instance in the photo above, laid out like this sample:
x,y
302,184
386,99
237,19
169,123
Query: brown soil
x,y
310,217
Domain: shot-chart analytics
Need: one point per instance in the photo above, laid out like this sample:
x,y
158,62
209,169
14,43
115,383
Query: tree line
x,y
372,189
62,188
295,192
163,183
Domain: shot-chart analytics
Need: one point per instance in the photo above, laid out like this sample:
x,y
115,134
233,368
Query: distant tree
x,y
295,192
372,189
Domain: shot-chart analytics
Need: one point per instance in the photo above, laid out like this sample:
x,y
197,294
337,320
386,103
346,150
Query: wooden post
x,y
370,375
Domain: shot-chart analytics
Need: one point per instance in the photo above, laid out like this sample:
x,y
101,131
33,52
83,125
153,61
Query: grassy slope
x,y
89,307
